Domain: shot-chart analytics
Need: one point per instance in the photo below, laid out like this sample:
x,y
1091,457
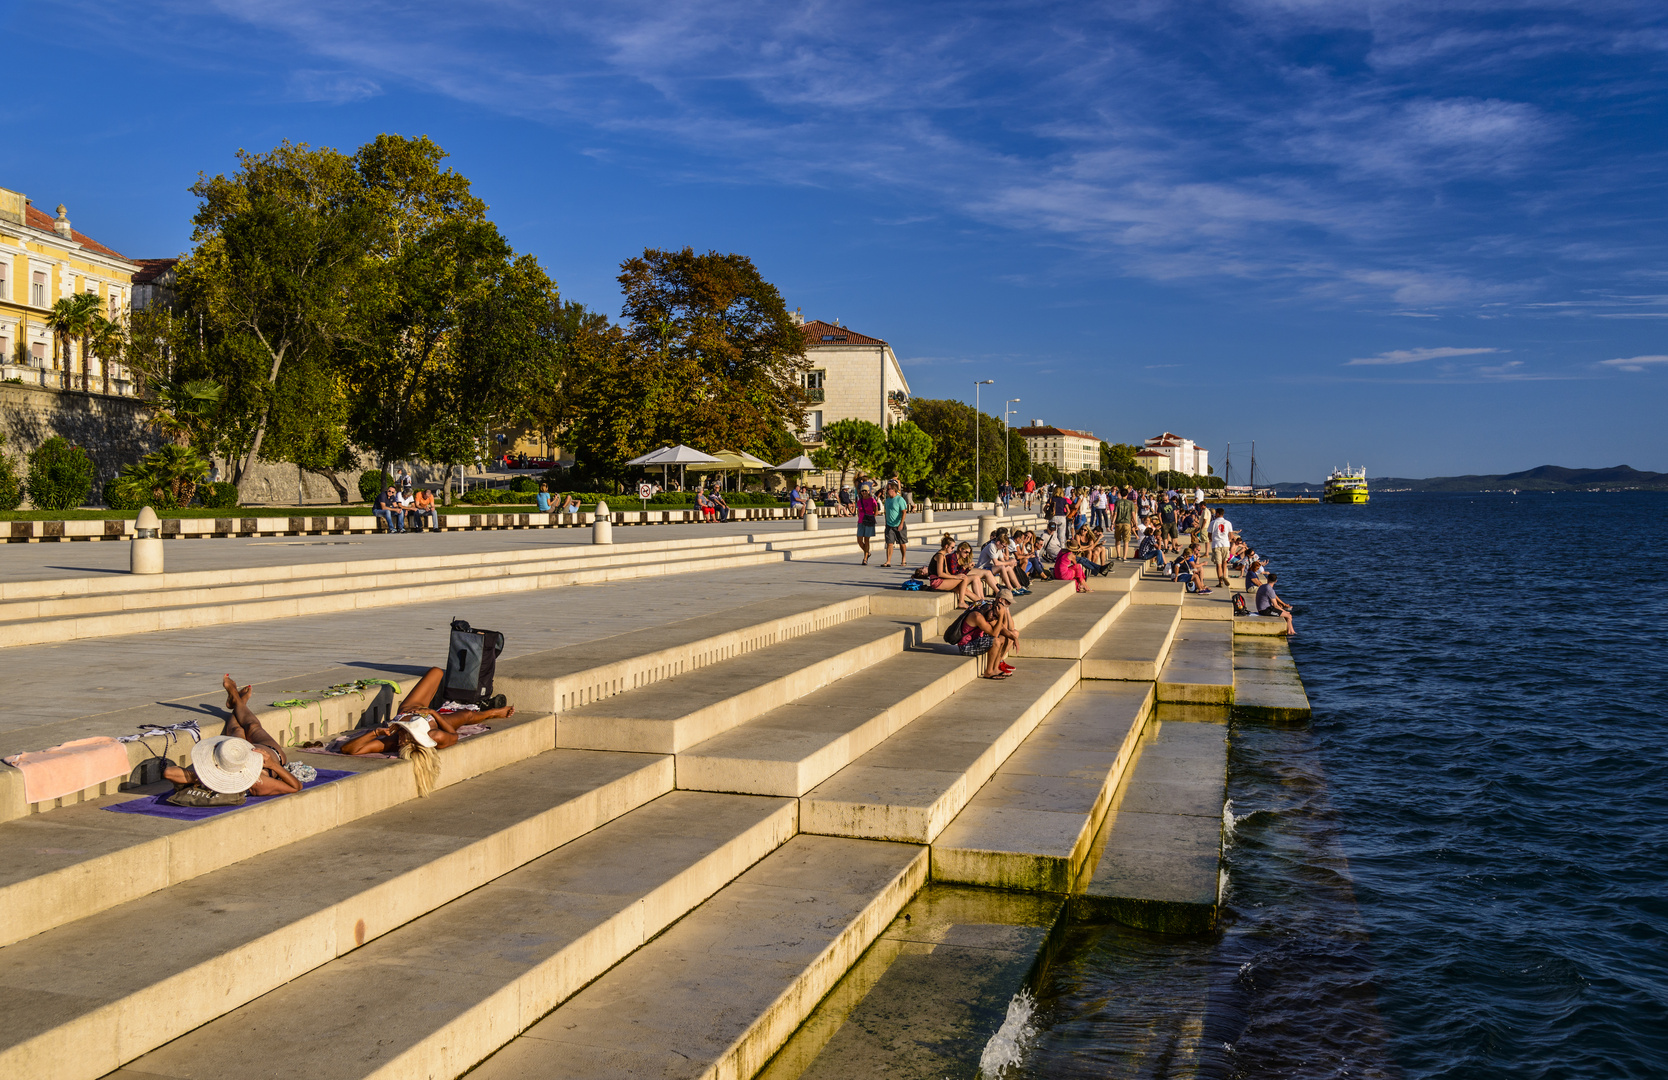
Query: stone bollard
x,y
988,523
926,512
810,519
147,544
602,525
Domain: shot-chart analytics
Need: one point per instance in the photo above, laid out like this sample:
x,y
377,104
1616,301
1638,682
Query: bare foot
x,y
231,692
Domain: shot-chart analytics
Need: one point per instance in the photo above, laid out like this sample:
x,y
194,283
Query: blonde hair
x,y
425,765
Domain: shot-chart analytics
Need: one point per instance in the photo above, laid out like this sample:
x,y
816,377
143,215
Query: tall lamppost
x,y
981,382
1007,473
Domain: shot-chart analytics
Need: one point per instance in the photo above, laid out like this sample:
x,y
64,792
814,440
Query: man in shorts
x,y
896,506
1124,523
1167,515
1221,532
1268,604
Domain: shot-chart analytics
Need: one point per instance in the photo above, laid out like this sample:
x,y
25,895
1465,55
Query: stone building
x,y
44,260
853,377
1063,448
1170,451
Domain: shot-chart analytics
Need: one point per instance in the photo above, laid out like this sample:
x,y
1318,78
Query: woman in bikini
x,y
408,725
243,724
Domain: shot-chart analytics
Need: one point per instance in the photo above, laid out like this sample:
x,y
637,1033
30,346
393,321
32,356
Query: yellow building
x,y
43,260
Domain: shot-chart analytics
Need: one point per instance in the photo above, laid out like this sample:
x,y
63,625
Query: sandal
x,y
998,676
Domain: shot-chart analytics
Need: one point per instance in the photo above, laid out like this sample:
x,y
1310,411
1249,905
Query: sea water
x,y
1460,867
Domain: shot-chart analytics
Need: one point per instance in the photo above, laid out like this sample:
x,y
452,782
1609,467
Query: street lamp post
x,y
976,489
1007,472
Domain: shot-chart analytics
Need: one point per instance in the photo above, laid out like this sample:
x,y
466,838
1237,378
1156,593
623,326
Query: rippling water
x,y
1460,868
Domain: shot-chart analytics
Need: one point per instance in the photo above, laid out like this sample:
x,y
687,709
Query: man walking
x,y
1124,523
896,506
1221,542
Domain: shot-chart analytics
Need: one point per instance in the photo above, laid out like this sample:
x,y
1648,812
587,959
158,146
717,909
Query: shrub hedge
x,y
60,475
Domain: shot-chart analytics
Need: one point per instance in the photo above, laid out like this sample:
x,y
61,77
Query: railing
x,y
814,393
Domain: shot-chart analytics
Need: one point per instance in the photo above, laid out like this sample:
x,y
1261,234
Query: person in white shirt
x,y
1221,532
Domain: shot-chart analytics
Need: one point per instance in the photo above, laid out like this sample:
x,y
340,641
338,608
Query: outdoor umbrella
x,y
798,464
737,460
667,456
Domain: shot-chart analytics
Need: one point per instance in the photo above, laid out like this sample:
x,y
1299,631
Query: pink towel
x,y
69,767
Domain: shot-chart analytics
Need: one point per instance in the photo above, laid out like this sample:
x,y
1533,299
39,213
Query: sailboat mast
x,y
1253,468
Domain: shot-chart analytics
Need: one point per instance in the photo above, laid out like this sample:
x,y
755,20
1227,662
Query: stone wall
x,y
113,430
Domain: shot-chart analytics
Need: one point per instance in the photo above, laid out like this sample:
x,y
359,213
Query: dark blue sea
x,y
1460,867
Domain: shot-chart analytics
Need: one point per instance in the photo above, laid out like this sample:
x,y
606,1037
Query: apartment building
x,y
1063,448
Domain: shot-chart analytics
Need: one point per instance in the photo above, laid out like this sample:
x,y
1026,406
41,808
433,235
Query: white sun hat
x,y
226,764
417,726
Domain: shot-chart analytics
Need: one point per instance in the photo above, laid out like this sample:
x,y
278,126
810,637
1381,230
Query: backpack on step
x,y
1239,604
471,663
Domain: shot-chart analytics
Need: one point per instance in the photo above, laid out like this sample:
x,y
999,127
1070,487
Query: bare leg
x,y
244,724
422,695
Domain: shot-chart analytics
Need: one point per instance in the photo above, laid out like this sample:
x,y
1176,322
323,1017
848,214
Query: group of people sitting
x,y
402,509
246,761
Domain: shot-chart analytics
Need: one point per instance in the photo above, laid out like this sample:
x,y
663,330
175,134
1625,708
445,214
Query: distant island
x,y
1543,478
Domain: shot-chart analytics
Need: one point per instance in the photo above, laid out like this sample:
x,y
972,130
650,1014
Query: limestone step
x,y
560,680
318,596
718,993
90,996
1152,589
1074,626
70,587
1200,668
1032,825
446,990
674,714
930,994
792,749
1135,645
80,860
1266,683
1157,861
912,785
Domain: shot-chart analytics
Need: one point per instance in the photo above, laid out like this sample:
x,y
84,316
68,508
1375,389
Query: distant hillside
x,y
1542,478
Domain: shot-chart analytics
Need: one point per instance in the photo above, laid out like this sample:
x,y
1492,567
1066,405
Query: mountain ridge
x,y
1539,478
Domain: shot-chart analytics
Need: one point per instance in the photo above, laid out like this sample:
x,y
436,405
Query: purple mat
x,y
158,805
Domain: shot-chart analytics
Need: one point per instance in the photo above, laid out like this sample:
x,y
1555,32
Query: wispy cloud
x,y
1414,356
1633,363
330,87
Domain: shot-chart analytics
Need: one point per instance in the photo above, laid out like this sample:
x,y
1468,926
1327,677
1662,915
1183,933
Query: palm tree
x,y
73,317
109,338
61,321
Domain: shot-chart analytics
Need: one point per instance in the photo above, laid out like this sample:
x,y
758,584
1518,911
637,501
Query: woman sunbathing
x,y
244,754
416,722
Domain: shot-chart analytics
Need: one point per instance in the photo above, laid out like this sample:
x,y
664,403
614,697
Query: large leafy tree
x,y
950,424
1117,457
848,443
909,452
282,250
729,361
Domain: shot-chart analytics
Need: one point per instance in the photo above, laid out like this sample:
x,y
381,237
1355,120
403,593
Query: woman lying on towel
x,y
245,759
418,732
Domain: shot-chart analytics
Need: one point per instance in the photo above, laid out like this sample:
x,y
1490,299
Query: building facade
x,y
853,377
44,260
1172,452
1063,448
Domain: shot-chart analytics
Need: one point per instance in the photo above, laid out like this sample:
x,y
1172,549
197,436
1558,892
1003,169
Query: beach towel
x,y
334,746
69,767
159,806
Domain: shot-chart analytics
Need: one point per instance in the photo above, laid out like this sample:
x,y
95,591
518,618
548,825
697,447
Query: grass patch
x,y
92,514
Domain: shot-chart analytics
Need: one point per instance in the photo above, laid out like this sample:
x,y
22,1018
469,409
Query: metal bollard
x,y
602,525
146,557
810,519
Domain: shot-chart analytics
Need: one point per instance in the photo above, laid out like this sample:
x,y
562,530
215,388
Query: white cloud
x,y
1633,363
330,87
1413,356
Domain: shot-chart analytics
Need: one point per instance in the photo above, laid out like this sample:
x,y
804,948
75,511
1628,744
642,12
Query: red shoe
x,y
1005,667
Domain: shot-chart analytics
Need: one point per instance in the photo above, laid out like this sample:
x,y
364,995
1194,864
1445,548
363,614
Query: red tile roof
x,y
1166,439
40,219
151,269
818,332
1048,430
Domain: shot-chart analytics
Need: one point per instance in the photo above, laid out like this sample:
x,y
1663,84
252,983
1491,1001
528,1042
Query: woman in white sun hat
x,y
244,755
418,732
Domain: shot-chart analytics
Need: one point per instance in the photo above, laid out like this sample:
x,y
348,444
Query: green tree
x,y
950,425
281,251
75,318
11,492
909,452
848,443
167,477
107,341
731,360
1117,457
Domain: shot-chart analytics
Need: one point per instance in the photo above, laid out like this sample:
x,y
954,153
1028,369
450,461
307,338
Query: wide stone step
x,y
912,785
792,749
1152,589
1072,628
1266,683
80,860
717,994
1157,861
1135,646
560,680
1032,825
436,996
1200,668
327,596
674,714
90,996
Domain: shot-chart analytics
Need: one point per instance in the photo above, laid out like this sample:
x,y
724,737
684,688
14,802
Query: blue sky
x,y
1424,237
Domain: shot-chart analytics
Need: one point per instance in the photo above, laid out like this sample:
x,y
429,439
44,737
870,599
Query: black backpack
x,y
471,663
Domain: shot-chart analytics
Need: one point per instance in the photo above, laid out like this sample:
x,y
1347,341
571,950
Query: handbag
x,y
198,795
866,519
